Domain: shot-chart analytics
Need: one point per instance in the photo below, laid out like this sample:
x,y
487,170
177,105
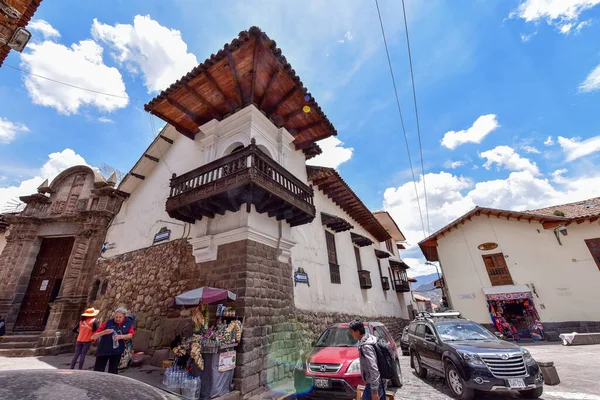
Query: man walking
x,y
375,388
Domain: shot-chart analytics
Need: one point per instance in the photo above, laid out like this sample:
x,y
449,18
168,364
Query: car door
x,y
420,344
433,348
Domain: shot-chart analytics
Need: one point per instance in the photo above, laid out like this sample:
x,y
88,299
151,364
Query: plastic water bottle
x,y
115,342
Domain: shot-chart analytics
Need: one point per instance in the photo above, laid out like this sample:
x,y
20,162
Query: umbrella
x,y
205,294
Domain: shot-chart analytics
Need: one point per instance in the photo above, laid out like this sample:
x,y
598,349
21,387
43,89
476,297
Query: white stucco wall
x,y
143,214
310,253
567,289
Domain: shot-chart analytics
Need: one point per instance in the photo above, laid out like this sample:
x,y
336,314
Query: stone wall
x,y
275,332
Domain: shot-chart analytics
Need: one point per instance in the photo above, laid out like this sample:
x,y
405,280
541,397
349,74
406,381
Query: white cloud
x,y
349,36
592,81
418,267
549,141
106,120
562,14
80,65
530,149
583,24
47,30
334,153
454,164
451,196
506,157
475,134
57,162
527,38
557,176
9,130
158,52
574,148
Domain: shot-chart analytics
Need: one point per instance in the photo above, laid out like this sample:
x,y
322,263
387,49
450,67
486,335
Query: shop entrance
x,y
44,284
515,316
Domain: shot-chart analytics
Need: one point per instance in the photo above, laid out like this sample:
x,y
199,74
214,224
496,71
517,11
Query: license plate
x,y
322,383
516,383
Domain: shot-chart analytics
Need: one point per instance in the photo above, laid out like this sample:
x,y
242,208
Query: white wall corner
x,y
204,248
284,250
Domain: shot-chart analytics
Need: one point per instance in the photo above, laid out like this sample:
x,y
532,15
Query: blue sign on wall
x,y
163,234
301,277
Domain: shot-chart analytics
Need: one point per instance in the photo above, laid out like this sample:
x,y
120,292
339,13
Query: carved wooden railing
x,y
365,279
385,283
402,285
249,165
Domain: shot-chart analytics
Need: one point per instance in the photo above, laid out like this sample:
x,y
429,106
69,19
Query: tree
x,y
108,170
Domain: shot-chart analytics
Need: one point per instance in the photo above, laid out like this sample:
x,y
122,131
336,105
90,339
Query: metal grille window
x,y
334,268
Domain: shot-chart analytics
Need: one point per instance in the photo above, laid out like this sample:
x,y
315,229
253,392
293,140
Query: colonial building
x,y
223,197
527,272
49,253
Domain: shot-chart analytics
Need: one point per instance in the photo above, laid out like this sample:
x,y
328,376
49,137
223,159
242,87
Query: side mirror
x,y
313,343
430,338
499,335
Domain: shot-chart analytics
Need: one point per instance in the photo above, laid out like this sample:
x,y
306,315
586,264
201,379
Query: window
x,y
497,269
390,245
334,268
104,287
380,333
413,328
357,255
594,246
421,330
391,275
94,292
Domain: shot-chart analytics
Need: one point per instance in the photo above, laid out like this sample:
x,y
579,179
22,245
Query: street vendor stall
x,y
210,352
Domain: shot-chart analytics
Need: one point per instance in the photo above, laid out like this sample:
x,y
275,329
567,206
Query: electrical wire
x,y
401,117
412,77
72,86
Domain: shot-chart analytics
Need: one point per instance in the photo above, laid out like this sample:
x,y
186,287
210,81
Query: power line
x,y
412,77
401,118
73,86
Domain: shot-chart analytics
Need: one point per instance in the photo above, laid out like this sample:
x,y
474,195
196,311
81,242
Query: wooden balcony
x,y
248,176
365,279
385,283
402,286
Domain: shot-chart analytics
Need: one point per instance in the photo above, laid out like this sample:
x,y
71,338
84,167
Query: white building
x,y
518,267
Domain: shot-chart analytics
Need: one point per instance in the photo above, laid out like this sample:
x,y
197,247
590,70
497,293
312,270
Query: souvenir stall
x,y
514,315
209,353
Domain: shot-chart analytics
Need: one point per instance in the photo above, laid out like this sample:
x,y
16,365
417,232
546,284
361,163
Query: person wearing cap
x,y
113,334
85,329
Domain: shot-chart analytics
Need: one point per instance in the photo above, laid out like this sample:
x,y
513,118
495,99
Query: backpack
x,y
385,359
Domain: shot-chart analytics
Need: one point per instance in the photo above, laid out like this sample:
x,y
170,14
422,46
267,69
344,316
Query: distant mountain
x,y
424,287
425,279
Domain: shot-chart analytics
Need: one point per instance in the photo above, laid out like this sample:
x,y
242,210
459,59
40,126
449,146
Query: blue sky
x,y
508,94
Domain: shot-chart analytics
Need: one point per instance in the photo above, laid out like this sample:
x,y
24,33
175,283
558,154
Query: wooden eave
x,y
359,240
249,70
398,264
390,225
382,254
332,185
27,8
335,223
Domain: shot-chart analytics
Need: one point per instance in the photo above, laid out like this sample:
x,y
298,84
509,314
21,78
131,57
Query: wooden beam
x,y
195,117
281,101
310,126
215,113
142,177
166,139
234,75
269,84
185,132
152,158
552,224
218,88
291,115
254,68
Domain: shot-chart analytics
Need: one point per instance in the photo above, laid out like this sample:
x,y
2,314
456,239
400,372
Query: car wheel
x,y
532,394
419,369
457,383
397,379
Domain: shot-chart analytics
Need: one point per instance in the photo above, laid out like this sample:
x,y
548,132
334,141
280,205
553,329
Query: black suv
x,y
470,357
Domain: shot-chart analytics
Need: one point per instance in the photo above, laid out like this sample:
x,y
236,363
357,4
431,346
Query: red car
x,y
332,368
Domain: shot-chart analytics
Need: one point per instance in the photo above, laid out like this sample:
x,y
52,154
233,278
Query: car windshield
x,y
336,337
450,332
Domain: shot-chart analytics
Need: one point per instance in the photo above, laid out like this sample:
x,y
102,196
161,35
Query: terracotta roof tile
x,y
580,209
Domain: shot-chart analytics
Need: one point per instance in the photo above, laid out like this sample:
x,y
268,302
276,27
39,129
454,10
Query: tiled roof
x,y
580,209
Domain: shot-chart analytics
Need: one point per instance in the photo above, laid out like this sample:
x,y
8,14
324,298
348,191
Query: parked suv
x,y
470,357
332,368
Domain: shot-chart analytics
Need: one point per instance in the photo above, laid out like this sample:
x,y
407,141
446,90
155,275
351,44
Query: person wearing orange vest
x,y
87,326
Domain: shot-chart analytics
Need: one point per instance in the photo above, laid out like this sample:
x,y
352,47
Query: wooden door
x,y
594,246
497,269
44,283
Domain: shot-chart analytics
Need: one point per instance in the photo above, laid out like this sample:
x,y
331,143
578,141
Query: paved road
x,y
578,368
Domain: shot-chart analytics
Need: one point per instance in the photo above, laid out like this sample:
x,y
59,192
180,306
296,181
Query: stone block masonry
x,y
275,332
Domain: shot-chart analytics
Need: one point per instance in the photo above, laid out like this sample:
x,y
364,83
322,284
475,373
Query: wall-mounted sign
x,y
301,277
487,246
163,234
466,296
44,284
108,246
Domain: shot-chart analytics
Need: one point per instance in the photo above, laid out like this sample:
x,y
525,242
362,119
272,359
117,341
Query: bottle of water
x,y
115,342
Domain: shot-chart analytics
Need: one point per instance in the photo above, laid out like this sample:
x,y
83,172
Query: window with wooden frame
x,y
358,261
594,247
390,246
497,270
334,268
